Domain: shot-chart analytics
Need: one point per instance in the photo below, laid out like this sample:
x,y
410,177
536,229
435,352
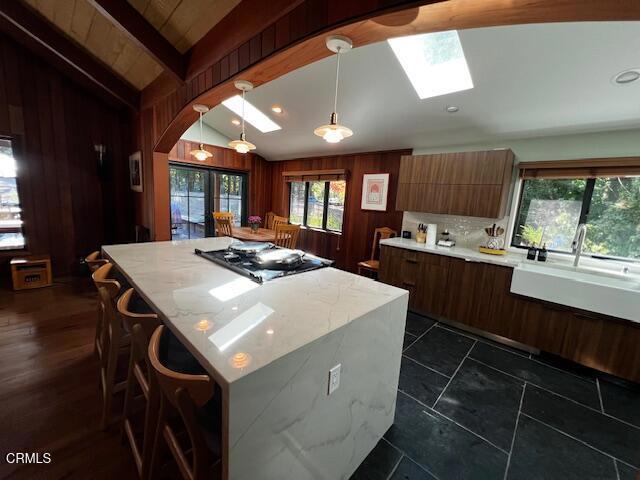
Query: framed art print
x,y
135,171
375,187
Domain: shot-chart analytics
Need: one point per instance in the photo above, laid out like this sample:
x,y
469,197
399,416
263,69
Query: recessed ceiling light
x,y
235,121
251,114
276,109
627,76
452,108
434,63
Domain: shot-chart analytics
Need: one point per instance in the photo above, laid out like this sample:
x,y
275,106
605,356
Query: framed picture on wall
x,y
375,187
135,171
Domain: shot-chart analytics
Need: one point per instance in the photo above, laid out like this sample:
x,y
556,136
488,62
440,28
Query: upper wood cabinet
x,y
474,184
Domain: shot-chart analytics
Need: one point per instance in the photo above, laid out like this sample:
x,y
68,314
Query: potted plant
x,y
254,222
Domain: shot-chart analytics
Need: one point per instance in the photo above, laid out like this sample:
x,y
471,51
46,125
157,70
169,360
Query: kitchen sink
x,y
606,292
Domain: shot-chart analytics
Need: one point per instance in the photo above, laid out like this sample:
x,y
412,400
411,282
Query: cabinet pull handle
x,y
411,260
409,284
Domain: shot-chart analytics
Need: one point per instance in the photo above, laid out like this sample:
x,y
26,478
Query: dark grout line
x,y
454,374
515,431
425,366
484,341
420,336
600,395
393,470
579,441
524,354
556,394
452,421
586,379
615,466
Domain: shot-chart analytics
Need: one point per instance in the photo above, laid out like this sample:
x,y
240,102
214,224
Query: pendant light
x,y
333,132
242,146
201,154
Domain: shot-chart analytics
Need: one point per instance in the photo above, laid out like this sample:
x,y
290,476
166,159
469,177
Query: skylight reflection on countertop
x,y
434,62
252,115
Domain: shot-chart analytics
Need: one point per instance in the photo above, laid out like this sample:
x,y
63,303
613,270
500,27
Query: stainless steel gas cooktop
x,y
263,261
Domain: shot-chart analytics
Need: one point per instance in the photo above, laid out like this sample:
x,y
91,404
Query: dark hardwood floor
x,y
49,397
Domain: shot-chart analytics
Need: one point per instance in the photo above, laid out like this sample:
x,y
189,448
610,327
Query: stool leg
x,y
150,425
110,377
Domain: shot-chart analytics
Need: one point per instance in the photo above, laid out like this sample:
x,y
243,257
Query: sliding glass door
x,y
196,192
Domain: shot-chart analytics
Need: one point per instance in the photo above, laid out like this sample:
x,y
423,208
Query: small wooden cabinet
x,y
473,184
32,271
478,294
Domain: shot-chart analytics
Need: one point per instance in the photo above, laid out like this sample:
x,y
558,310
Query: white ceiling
x,y
530,80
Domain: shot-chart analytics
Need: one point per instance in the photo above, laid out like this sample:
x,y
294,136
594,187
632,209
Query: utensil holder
x,y
421,237
495,243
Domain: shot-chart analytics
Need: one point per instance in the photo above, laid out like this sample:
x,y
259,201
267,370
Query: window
x,y
197,192
550,210
317,204
11,235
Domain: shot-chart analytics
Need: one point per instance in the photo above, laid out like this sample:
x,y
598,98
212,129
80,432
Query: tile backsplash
x,y
466,231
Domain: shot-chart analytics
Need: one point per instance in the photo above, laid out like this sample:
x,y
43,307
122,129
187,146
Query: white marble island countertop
x,y
234,325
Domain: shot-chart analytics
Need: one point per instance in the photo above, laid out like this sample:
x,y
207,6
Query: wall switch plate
x,y
334,378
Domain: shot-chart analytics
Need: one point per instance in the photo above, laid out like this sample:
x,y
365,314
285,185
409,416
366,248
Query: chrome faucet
x,y
578,242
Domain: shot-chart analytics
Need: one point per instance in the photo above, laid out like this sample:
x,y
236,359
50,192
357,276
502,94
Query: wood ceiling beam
x,y
32,30
140,31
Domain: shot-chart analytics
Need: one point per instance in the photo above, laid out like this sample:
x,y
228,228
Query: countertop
x,y
510,259
252,325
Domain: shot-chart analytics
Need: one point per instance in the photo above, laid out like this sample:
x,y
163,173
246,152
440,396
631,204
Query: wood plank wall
x,y
355,242
257,168
69,208
306,18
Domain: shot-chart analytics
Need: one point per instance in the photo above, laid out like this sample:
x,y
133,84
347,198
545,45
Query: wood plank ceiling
x,y
181,22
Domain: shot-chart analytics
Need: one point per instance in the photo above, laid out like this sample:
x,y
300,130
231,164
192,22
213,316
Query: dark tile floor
x,y
469,408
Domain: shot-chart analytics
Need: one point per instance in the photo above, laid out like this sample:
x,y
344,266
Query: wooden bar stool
x,y
102,279
286,235
188,394
372,265
112,342
94,261
141,326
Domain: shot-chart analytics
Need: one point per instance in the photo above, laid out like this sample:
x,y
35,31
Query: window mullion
x,y
306,203
325,208
586,200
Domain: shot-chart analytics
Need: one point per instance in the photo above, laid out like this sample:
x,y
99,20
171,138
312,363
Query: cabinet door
x,y
390,264
469,290
431,288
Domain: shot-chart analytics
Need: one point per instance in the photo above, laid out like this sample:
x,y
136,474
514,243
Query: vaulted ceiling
x,y
181,22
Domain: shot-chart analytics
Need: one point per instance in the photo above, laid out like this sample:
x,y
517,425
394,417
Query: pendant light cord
x,y
243,135
335,97
201,130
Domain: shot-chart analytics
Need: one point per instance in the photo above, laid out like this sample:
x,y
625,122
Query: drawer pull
x,y
411,260
409,284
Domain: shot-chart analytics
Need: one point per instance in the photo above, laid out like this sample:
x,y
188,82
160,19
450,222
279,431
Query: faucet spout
x,y
578,242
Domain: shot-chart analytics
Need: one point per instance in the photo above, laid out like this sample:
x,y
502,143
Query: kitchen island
x,y
271,346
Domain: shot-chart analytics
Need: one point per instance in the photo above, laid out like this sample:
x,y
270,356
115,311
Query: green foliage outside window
x,y
550,211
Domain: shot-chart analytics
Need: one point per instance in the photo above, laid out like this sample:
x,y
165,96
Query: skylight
x,y
251,114
434,63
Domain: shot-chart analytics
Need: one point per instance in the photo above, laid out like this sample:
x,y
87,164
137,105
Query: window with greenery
x,y
551,209
11,234
317,204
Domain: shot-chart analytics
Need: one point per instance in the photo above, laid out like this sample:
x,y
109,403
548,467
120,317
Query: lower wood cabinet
x,y
478,294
